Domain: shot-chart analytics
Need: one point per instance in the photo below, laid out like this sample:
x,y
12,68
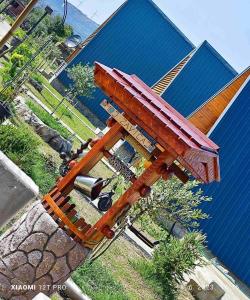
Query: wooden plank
x,y
132,194
94,155
64,218
128,126
60,202
55,194
205,117
80,223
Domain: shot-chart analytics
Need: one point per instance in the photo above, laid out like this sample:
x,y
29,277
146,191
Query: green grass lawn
x,y
84,131
116,261
47,119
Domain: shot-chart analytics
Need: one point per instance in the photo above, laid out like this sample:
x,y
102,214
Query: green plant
x,y
172,259
37,77
50,25
7,94
17,59
82,83
7,71
22,146
82,80
173,201
18,140
24,49
20,33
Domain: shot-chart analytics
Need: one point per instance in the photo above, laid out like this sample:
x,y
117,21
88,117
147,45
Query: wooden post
x,y
18,22
132,195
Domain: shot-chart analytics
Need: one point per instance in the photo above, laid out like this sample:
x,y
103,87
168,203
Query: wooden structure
x,y
16,8
178,145
206,115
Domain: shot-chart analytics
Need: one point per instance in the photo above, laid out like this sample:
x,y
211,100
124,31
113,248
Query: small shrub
x,y
37,77
7,72
172,259
7,95
18,140
20,33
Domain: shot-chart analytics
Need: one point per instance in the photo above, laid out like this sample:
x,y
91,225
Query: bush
x,y
7,72
20,33
21,145
17,59
18,140
37,77
7,95
172,259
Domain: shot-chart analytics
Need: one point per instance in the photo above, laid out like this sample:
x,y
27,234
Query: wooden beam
x,y
132,195
116,132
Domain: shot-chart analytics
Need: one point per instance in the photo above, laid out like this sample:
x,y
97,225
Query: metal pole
x,y
41,49
48,10
18,22
6,6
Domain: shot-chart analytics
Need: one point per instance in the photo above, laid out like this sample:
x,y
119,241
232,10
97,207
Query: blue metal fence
x,y
228,230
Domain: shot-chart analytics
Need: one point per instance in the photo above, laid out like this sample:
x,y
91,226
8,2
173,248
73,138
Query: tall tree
x,y
82,83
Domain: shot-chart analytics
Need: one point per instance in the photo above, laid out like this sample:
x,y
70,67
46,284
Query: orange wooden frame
x,y
176,139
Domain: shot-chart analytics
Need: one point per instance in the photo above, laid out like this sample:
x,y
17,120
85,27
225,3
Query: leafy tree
x,y
176,202
82,83
173,201
61,30
82,80
50,25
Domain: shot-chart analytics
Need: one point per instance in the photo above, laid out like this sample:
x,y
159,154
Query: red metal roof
x,y
161,121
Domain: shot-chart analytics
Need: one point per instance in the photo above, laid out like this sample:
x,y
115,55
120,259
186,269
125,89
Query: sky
x,y
223,23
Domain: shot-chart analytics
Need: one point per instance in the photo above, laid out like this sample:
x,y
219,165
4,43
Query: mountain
x,y
81,24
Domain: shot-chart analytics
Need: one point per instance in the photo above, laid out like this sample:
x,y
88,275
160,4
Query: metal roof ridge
x,y
195,51
219,57
170,22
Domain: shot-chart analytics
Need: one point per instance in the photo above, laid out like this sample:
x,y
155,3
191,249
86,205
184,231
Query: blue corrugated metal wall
x,y
140,40
204,74
228,230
